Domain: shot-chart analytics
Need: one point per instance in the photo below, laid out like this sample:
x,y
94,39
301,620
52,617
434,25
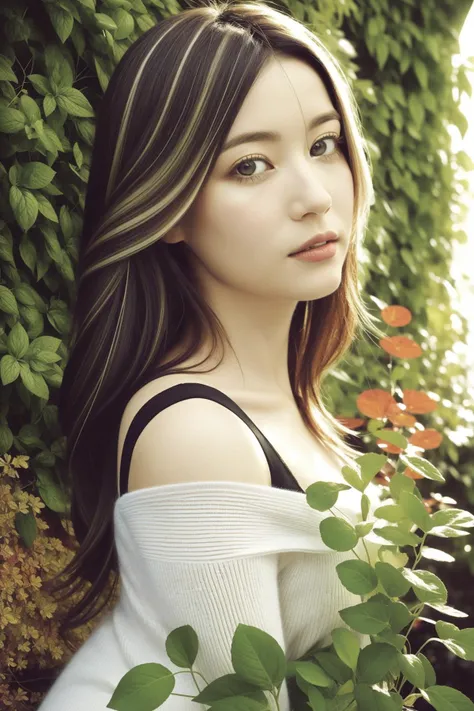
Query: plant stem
x,y
188,696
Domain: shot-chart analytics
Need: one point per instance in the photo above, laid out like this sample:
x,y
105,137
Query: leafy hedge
x,y
57,57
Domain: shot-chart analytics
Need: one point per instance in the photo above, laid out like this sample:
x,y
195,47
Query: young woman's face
x,y
264,198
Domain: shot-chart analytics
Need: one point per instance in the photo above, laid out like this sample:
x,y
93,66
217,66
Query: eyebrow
x,y
272,136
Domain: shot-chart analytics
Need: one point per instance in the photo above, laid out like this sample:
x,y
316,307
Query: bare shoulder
x,y
192,440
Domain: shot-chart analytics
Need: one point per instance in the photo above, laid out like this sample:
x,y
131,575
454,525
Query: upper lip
x,y
321,237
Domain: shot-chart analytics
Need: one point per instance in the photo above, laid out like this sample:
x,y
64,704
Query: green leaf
x,y
257,657
9,369
389,512
391,579
313,674
6,438
447,610
24,206
415,510
374,699
34,382
398,483
453,517
45,207
30,108
227,686
445,698
375,661
316,700
40,83
25,524
400,616
125,23
448,532
426,586
370,464
75,103
430,676
357,576
62,21
423,467
49,105
35,175
352,478
322,495
105,22
333,666
6,72
146,687
465,638
8,302
437,554
392,437
367,618
11,120
364,506
347,646
182,646
338,534
446,630
53,496
412,668
18,341
396,640
43,343
398,536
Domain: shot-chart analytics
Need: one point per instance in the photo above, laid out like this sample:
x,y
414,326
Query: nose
x,y
310,191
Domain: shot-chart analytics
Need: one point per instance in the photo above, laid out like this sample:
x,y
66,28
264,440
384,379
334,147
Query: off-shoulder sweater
x,y
210,555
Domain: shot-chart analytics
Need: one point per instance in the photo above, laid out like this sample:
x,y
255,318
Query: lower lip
x,y
317,255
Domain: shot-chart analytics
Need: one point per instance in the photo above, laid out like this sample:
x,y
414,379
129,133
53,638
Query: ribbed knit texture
x,y
211,555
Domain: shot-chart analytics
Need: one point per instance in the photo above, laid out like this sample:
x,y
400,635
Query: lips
x,y
317,239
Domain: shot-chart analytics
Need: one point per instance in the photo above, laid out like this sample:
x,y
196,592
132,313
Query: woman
x,y
227,138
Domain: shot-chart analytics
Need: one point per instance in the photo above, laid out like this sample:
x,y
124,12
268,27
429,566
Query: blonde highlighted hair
x,y
161,125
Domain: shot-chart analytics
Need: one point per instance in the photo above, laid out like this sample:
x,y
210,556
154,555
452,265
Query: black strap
x,y
281,476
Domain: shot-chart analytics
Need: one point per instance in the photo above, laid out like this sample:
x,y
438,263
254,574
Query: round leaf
x,y
412,668
367,618
426,586
338,534
322,495
357,576
375,661
391,580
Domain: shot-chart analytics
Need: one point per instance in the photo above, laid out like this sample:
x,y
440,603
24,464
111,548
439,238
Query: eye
x,y
338,140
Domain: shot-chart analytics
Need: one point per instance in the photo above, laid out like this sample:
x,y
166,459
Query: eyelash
x,y
340,140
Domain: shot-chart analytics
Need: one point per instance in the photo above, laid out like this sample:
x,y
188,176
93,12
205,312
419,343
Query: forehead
x,y
286,91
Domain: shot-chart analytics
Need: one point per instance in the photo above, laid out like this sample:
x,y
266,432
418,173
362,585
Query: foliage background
x,y
56,59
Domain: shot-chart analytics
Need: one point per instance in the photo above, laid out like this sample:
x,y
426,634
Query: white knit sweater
x,y
211,555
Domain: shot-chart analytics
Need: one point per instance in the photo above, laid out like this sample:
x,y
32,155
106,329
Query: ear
x,y
175,234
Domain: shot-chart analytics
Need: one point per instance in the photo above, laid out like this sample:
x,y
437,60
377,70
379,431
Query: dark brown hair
x,y
162,122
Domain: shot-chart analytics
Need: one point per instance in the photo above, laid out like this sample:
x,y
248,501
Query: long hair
x,y
161,125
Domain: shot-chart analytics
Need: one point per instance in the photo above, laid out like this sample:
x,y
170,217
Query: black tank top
x,y
281,476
